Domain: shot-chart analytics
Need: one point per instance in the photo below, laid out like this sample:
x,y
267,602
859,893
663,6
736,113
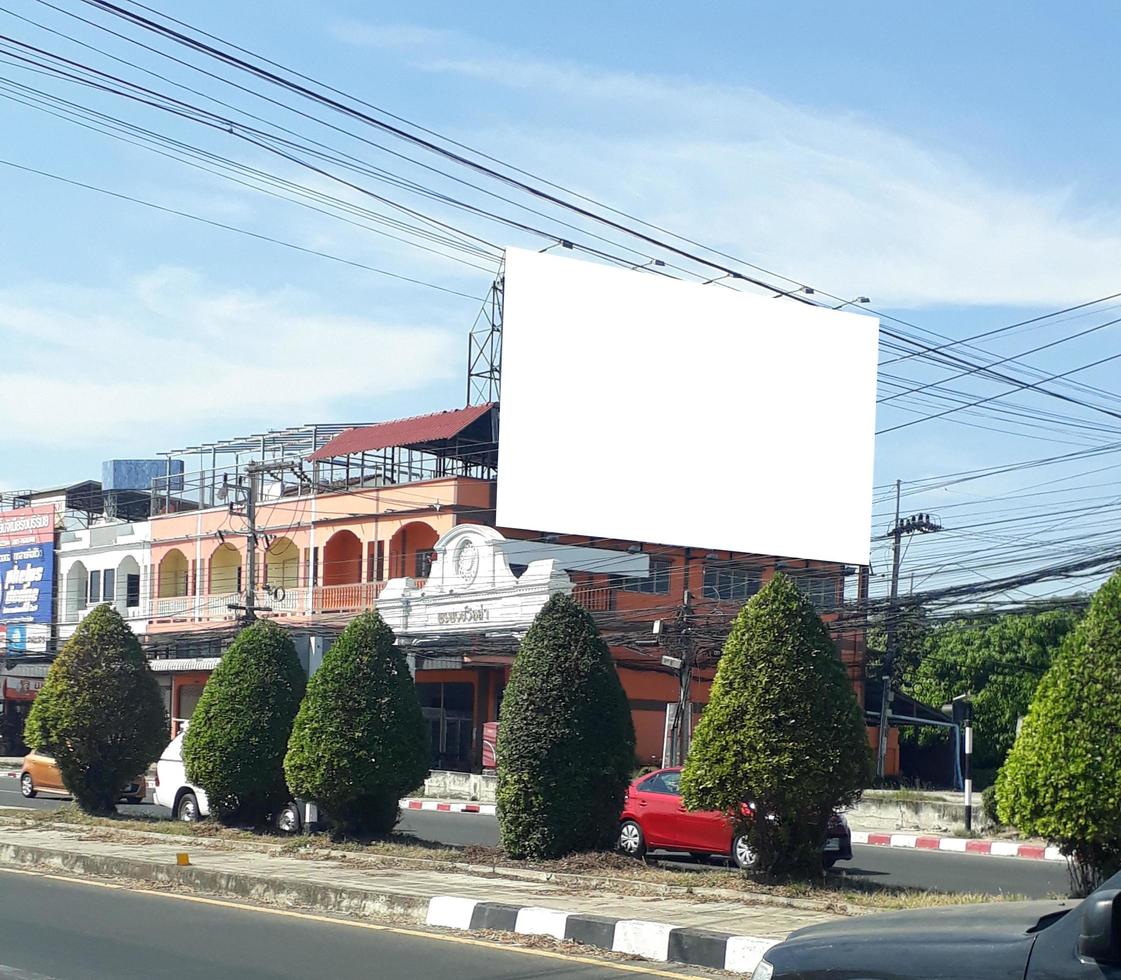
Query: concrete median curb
x,y
656,941
959,845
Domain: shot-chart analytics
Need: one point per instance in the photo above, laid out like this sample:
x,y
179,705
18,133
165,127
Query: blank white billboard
x,y
639,407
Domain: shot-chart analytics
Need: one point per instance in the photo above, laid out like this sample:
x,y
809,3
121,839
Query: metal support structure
x,y
484,347
916,524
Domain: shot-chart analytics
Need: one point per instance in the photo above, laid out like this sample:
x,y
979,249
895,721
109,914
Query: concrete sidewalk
x,y
708,928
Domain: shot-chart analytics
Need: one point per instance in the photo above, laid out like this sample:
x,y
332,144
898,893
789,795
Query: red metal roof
x,y
420,429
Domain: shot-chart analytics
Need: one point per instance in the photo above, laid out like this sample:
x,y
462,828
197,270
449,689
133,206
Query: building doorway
x,y
449,711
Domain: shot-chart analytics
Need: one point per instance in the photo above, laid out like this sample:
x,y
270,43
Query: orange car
x,y
39,774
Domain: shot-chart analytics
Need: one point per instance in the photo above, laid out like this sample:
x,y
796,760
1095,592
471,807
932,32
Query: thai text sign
x,y
26,565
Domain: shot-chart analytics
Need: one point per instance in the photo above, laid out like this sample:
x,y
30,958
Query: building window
x,y
109,584
731,583
422,563
132,591
95,588
819,587
656,583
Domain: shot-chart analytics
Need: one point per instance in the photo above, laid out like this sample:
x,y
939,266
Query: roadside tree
x,y
782,731
1001,662
1062,779
100,712
565,739
360,742
234,748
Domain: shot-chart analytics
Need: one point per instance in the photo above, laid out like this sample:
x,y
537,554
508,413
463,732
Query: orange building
x,y
373,504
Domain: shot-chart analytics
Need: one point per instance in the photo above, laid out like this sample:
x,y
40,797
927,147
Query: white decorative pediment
x,y
471,589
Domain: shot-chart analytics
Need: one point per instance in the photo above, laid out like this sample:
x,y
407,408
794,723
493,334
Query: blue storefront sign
x,y
26,567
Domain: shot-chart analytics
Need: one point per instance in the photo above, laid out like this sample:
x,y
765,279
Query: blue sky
x,y
956,164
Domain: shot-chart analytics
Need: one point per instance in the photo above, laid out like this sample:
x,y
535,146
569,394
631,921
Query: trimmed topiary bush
x,y
100,712
234,748
782,729
1062,779
565,739
988,803
360,742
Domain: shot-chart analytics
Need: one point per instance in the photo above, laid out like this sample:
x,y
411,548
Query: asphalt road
x,y
880,865
62,930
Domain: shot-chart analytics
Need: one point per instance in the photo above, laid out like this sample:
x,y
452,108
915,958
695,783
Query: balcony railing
x,y
595,598
76,615
283,602
353,597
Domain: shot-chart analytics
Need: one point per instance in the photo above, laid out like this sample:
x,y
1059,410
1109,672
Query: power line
x,y
235,229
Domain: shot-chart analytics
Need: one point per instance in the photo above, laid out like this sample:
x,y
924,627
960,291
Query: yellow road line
x,y
357,924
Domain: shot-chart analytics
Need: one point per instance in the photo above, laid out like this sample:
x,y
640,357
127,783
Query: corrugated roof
x,y
418,430
175,664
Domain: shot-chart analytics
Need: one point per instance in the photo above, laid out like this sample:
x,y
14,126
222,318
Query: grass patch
x,y
604,871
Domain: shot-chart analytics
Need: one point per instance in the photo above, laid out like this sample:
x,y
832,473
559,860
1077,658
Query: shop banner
x,y
27,565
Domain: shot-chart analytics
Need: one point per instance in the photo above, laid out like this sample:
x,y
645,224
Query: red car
x,y
654,818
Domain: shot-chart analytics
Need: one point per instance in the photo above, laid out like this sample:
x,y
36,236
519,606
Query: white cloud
x,y
836,200
389,36
170,356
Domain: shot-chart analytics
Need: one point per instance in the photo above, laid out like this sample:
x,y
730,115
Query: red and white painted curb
x,y
962,845
485,809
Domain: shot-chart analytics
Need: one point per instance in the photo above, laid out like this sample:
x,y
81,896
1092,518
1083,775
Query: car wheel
x,y
288,820
187,809
745,856
631,841
26,786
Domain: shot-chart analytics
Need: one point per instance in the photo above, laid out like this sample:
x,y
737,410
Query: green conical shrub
x,y
234,748
100,712
1062,779
782,729
565,739
360,742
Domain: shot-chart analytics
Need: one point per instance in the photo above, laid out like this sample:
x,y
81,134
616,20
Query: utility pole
x,y
253,472
685,682
681,659
916,524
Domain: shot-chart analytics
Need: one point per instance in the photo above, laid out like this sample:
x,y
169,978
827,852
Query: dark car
x,y
654,818
1067,940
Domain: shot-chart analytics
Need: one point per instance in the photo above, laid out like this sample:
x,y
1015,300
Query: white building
x,y
108,562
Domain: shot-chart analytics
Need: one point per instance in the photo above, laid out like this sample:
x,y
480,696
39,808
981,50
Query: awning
x,y
175,665
428,432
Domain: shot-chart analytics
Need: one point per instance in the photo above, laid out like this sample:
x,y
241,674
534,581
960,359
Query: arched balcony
x,y
282,564
343,589
127,594
172,577
225,570
77,584
410,551
173,573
